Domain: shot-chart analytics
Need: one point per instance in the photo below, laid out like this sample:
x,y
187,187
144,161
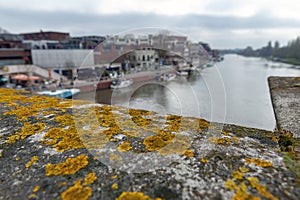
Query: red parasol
x,y
23,77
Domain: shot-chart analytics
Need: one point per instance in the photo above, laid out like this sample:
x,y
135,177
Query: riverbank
x,y
62,149
93,85
291,61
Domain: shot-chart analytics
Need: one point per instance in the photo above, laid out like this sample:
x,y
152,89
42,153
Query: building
x,y
63,61
46,35
83,42
12,51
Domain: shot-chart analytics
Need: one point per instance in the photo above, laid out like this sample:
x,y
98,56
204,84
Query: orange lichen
x,y
26,131
114,130
137,117
240,191
114,177
174,122
133,196
189,153
62,184
77,191
156,142
114,186
224,140
36,188
243,169
125,146
33,161
178,145
203,124
217,140
63,139
90,178
237,175
260,188
259,162
204,160
70,166
32,196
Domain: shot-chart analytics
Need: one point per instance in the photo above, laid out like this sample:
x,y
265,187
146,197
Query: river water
x,y
233,91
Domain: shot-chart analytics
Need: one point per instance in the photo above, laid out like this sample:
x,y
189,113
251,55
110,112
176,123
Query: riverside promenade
x,y
62,149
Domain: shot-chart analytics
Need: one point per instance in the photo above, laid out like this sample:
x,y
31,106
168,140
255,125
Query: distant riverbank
x,y
291,61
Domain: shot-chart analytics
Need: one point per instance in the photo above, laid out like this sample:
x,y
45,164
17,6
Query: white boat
x,y
183,73
119,83
61,93
210,64
167,77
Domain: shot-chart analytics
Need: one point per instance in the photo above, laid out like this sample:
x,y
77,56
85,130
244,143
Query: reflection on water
x,y
234,91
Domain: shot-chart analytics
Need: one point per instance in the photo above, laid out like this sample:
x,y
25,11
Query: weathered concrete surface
x,y
285,94
59,149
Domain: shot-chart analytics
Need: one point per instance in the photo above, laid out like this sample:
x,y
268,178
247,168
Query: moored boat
x,y
183,73
61,93
167,77
121,83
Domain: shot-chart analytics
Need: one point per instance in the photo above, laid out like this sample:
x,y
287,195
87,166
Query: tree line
x,y
289,53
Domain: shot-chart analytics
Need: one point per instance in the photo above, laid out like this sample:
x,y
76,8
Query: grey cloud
x,y
22,20
84,24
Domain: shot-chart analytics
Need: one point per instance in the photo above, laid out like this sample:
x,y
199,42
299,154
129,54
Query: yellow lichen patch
x,y
237,175
114,177
230,185
114,130
240,191
178,145
137,117
260,188
224,140
115,158
26,131
243,169
274,138
173,122
17,158
225,133
93,140
33,161
90,178
125,146
217,140
114,186
63,139
204,160
62,184
70,166
235,139
65,120
77,191
259,162
36,188
203,124
8,91
156,142
133,196
32,196
189,153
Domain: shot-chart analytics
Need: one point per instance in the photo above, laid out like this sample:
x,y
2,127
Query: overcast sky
x,y
221,23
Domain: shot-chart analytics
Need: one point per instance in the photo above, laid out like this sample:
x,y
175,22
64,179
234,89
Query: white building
x,y
62,58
